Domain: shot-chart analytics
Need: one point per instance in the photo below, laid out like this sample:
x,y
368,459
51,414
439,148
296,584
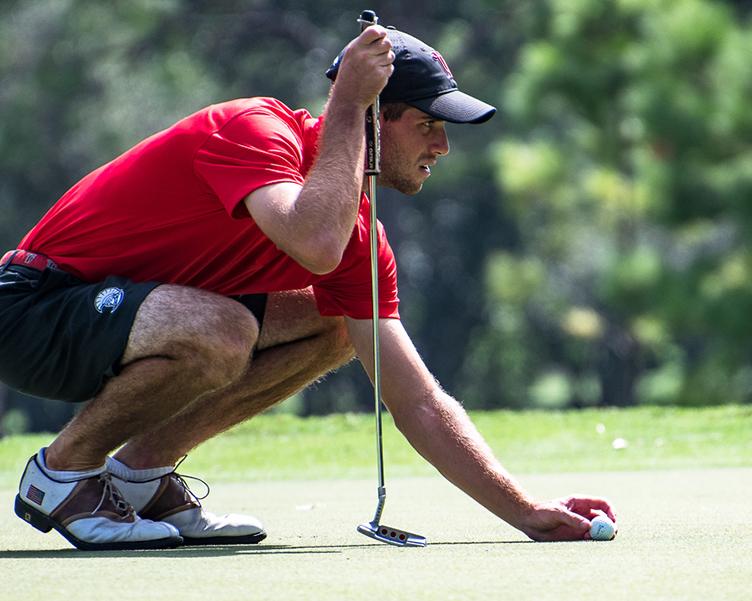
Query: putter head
x,y
392,536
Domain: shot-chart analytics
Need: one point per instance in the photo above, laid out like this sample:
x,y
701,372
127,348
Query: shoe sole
x,y
247,539
45,523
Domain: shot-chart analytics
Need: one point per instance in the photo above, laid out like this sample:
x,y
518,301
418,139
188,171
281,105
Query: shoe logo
x,y
108,300
35,495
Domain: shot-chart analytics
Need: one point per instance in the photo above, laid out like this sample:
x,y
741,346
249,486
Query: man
x,y
212,271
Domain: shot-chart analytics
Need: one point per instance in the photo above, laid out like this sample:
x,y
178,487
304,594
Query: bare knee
x,y
222,348
339,349
212,337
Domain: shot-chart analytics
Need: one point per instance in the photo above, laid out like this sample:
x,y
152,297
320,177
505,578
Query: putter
x,y
374,529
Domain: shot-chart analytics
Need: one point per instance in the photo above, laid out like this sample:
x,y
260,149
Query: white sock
x,y
65,475
122,471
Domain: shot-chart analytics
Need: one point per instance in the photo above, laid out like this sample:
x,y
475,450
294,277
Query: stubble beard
x,y
392,174
401,184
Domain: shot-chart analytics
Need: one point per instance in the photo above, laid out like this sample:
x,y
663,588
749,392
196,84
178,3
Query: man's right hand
x,y
365,69
564,519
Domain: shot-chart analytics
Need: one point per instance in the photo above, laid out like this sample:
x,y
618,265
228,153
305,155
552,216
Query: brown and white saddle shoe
x,y
161,494
87,509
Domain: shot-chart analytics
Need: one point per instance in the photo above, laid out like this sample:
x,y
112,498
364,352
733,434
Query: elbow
x,y
423,413
323,259
322,267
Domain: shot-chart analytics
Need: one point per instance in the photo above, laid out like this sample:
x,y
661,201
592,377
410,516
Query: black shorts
x,y
62,338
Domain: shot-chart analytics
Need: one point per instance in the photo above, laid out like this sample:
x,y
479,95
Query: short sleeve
x,y
347,290
259,147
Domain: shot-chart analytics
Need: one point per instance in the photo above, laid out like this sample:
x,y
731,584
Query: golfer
x,y
212,271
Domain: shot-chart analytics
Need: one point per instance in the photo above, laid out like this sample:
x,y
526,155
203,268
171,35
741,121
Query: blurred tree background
x,y
591,245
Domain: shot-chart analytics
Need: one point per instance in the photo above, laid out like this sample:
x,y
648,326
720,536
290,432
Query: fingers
x,y
590,506
573,526
561,532
554,522
375,49
567,519
365,68
375,35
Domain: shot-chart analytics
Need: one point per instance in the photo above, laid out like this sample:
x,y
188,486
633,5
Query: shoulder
x,y
261,122
260,109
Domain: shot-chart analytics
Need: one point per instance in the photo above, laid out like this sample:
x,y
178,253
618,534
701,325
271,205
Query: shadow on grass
x,y
222,550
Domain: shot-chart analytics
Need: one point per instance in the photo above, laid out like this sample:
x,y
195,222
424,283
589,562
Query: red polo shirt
x,y
171,210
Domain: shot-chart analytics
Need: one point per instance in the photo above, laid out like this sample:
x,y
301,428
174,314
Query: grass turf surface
x,y
684,533
280,447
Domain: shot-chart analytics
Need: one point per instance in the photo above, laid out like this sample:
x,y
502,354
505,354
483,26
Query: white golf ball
x,y
602,528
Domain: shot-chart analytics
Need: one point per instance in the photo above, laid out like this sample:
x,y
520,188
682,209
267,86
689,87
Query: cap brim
x,y
455,107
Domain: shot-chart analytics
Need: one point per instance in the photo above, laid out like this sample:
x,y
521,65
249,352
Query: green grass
x,y
683,536
681,489
276,447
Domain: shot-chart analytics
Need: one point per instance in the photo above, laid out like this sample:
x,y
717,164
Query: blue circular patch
x,y
109,299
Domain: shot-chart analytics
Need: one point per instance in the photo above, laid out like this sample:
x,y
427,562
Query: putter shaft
x,y
375,530
373,168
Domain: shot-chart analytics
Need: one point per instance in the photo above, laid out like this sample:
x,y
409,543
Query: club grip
x,y
373,135
367,18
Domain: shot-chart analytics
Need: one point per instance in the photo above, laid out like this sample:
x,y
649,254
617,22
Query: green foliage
x,y
628,172
590,245
83,80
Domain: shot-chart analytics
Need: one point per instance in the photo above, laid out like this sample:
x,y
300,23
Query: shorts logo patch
x,y
109,299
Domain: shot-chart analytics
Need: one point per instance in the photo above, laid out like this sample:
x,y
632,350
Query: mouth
x,y
426,168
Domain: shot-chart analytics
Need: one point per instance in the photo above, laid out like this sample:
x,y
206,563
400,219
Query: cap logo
x,y
440,59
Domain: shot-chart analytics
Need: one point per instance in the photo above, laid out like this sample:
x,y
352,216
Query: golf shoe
x,y
87,509
161,494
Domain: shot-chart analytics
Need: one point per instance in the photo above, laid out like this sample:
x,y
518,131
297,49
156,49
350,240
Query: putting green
x,y
683,535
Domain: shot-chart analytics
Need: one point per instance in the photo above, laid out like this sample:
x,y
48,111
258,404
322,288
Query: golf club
x,y
373,529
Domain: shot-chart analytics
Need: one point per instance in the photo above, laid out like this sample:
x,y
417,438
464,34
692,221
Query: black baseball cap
x,y
422,79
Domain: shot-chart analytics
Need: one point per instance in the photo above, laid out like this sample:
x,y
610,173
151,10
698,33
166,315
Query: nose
x,y
440,144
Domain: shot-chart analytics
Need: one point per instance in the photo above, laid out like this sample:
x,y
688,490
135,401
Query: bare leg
x,y
296,346
184,343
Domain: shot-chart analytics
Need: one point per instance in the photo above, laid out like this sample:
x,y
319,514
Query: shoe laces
x,y
181,478
112,493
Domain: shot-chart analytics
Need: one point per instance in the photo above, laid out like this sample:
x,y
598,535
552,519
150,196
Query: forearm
x,y
326,209
443,434
313,223
440,430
